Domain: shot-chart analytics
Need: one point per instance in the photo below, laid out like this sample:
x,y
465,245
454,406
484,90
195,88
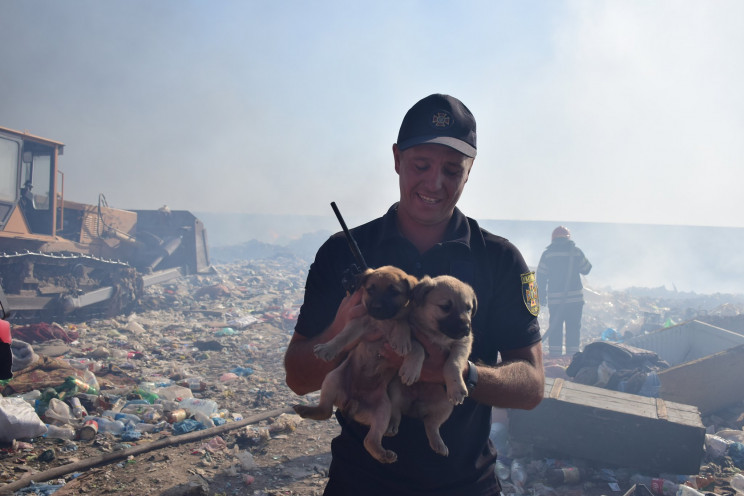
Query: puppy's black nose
x,y
454,326
381,310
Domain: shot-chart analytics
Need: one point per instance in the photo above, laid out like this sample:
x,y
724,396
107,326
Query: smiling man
x,y
424,233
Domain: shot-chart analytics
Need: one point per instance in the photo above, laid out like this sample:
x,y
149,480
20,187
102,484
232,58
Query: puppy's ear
x,y
362,277
475,306
412,281
421,289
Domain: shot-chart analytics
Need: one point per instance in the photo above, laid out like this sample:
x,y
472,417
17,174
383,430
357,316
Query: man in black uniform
x,y
559,279
425,234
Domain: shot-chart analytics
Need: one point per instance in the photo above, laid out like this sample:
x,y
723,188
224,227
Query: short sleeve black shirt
x,y
493,266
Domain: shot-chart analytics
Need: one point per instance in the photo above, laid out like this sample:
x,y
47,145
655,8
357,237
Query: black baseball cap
x,y
439,119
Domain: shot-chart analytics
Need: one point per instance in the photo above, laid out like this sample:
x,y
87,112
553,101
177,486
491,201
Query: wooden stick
x,y
136,450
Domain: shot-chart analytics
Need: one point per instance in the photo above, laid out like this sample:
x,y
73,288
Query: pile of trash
x,y
201,352
206,351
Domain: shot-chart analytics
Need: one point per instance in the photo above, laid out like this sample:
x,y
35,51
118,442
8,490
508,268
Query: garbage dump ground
x,y
201,361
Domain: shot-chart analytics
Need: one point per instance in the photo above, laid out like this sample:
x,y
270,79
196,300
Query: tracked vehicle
x,y
60,258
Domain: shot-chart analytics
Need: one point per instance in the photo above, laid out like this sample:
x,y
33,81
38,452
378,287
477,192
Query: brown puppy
x,y
443,310
358,386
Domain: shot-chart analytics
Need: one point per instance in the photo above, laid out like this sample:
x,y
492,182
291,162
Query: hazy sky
x,y
606,111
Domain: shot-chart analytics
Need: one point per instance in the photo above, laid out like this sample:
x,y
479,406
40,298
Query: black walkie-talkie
x,y
349,277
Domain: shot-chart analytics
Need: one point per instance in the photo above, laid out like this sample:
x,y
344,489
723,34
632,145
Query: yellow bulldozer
x,y
62,258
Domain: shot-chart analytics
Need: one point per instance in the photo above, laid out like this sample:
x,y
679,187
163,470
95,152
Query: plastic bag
x,y
58,412
18,420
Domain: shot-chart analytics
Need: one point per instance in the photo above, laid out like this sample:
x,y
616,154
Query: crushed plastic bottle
x,y
173,393
205,406
59,432
203,419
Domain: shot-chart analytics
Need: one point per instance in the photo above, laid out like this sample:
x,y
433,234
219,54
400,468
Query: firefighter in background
x,y
559,286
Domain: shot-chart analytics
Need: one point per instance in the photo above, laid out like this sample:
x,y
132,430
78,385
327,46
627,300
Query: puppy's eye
x,y
446,307
393,291
370,289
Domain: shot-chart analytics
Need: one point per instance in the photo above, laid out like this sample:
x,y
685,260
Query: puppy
x,y
386,294
358,386
443,310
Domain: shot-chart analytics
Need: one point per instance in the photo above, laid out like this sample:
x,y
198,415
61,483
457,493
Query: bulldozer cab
x,y
28,173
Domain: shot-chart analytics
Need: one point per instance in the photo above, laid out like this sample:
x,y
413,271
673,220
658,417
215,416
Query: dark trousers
x,y
570,315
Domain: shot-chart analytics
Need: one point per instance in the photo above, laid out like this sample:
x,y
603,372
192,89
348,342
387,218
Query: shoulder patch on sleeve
x,y
529,293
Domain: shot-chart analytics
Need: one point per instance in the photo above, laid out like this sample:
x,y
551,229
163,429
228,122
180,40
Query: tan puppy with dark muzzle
x,y
443,310
358,386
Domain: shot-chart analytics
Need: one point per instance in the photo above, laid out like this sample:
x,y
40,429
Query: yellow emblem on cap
x,y
529,293
441,119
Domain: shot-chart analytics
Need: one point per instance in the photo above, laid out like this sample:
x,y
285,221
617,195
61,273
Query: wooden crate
x,y
613,428
710,383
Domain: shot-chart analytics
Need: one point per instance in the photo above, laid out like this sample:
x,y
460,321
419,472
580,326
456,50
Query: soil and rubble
x,y
222,337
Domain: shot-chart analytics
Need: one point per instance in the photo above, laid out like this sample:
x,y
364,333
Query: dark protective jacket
x,y
558,273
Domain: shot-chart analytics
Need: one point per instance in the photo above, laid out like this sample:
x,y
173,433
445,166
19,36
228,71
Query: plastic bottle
x,y
118,405
31,396
168,405
498,435
59,432
737,482
77,408
152,427
203,419
174,392
205,406
148,396
502,471
108,426
518,475
127,417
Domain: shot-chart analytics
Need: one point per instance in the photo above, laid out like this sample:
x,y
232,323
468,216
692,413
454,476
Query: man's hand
x,y
350,308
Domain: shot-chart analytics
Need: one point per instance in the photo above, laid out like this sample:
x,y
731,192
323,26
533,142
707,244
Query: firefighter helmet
x,y
561,232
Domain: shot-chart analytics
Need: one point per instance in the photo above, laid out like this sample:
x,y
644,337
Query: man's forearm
x,y
512,385
517,382
304,371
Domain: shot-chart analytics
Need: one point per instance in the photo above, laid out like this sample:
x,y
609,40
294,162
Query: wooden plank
x,y
617,428
661,411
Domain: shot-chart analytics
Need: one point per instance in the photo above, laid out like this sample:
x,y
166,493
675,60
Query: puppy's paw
x,y
401,343
409,373
388,457
456,395
325,352
392,429
440,448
